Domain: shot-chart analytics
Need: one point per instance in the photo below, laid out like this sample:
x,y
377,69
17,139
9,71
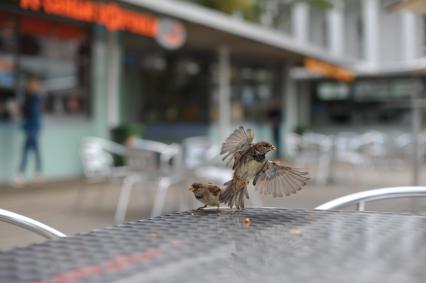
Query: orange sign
x,y
329,70
110,15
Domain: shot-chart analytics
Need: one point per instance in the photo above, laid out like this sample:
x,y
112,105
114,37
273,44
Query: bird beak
x,y
191,189
273,148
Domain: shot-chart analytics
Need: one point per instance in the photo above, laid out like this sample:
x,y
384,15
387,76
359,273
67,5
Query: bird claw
x,y
199,209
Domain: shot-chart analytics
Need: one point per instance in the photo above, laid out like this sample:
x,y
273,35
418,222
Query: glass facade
x,y
253,88
55,53
383,101
8,66
182,86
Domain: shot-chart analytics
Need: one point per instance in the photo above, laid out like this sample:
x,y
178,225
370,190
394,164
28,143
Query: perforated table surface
x,y
272,245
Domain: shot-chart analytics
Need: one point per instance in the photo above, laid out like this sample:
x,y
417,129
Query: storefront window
x,y
367,101
382,90
54,53
8,47
333,91
174,89
252,92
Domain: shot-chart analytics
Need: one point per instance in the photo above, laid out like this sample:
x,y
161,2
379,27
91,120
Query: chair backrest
x,y
30,224
199,151
154,157
96,155
361,198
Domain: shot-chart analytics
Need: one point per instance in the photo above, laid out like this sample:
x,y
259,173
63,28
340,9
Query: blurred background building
x,y
190,68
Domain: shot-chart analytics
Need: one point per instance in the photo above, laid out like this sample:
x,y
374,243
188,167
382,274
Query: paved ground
x,y
75,207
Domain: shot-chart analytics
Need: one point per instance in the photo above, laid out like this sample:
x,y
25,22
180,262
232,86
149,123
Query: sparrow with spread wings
x,y
248,161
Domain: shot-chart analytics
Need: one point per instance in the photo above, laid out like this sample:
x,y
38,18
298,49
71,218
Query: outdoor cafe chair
x,y
361,198
199,150
30,224
97,157
202,161
155,164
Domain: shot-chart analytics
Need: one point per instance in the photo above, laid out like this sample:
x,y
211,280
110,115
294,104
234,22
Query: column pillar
x,y
299,20
113,79
370,14
408,36
99,79
224,73
290,106
304,98
335,26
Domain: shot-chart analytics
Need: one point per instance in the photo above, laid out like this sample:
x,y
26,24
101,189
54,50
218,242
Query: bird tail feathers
x,y
234,197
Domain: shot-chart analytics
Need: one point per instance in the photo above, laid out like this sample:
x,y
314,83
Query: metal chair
x,y
202,161
97,157
362,197
199,150
154,163
30,224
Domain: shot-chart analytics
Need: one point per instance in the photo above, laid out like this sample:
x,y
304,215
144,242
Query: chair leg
x,y
160,197
123,200
325,168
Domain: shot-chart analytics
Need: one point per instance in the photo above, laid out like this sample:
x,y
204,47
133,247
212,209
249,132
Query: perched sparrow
x,y
248,162
207,193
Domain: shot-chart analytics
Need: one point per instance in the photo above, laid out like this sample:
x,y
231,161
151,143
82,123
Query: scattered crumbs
x,y
296,232
152,235
246,221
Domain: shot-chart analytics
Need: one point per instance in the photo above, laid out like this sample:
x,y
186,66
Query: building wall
x,y
352,30
420,36
390,30
390,40
60,139
318,27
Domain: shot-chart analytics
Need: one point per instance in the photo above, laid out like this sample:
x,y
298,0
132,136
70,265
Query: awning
x,y
415,6
237,31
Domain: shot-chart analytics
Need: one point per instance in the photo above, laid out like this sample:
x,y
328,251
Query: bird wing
x,y
277,180
214,189
236,144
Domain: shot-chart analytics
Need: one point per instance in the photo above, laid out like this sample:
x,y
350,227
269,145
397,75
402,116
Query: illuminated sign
x,y
328,70
169,33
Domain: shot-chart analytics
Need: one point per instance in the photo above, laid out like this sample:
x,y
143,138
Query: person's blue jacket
x,y
32,113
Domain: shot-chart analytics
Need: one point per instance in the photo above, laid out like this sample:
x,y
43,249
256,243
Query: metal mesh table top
x,y
272,245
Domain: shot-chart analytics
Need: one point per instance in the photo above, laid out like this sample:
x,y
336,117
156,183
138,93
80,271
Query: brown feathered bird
x,y
207,193
248,161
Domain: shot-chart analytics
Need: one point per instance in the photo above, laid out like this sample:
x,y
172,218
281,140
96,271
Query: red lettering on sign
x,y
31,4
110,15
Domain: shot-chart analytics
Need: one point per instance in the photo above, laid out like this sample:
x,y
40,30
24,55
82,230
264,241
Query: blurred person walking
x,y
32,122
